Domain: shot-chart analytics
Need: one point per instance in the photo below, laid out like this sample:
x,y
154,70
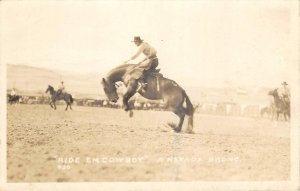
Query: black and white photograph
x,y
149,95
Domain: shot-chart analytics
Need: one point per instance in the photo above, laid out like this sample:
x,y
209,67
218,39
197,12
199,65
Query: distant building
x,y
241,91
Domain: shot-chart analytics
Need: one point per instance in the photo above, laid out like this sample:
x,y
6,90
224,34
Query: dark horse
x,y
13,98
158,88
281,106
55,96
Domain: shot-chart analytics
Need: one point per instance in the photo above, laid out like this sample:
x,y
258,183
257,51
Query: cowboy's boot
x,y
56,97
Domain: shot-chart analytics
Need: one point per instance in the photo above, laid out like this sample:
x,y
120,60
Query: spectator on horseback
x,y
284,92
61,89
149,62
13,93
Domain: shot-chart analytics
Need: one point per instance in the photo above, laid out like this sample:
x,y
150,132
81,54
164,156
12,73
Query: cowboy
x,y
150,61
13,92
284,92
61,89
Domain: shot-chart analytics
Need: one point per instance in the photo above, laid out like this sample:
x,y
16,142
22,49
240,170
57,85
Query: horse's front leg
x,y
131,90
51,104
54,105
274,115
285,116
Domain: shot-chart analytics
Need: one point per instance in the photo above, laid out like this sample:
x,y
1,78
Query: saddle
x,y
154,73
137,73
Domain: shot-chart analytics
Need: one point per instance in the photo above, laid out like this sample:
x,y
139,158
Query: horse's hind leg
x,y
67,106
180,112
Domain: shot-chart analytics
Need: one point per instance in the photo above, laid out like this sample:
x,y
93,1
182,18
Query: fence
x,y
224,108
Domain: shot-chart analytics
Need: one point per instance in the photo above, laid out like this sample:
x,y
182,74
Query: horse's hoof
x,y
172,125
190,132
177,130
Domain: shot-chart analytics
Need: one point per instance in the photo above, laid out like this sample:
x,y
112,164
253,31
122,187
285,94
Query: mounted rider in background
x,y
150,62
284,93
13,93
61,89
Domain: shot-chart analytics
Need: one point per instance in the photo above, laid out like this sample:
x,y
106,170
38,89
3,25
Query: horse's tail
x,y
189,111
189,105
71,98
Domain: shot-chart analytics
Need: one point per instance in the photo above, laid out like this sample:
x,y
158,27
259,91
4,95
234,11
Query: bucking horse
x,y
158,88
55,96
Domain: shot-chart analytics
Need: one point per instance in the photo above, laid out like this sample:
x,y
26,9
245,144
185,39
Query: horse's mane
x,y
123,66
51,87
119,67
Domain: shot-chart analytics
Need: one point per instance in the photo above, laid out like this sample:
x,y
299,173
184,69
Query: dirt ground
x,y
101,144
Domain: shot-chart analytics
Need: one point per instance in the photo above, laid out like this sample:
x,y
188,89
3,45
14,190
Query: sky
x,y
199,43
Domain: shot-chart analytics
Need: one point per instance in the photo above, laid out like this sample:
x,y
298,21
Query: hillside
x,y
32,79
35,80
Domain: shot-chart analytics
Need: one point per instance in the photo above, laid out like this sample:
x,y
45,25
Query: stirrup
x,y
141,86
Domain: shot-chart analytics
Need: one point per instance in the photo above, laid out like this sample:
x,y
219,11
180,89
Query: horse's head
x,y
273,92
110,90
50,88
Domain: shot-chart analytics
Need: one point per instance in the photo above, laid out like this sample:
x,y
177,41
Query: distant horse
x,y
13,98
265,111
55,96
268,111
281,107
158,88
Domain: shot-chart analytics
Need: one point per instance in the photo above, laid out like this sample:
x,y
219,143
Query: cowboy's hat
x,y
137,39
284,83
